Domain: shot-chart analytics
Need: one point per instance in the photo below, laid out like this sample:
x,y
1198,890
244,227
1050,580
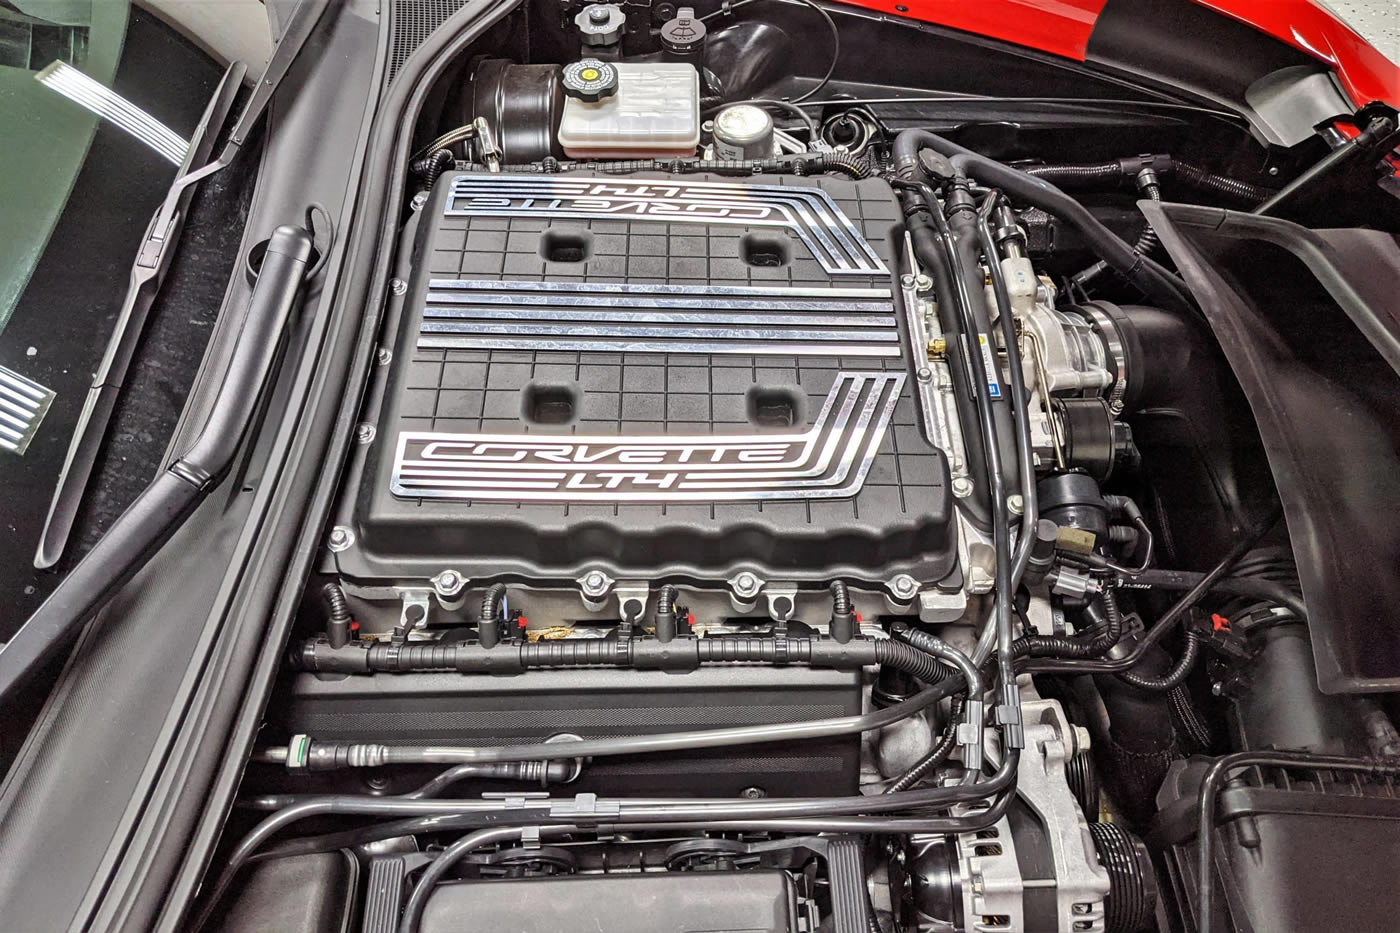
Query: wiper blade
x,y
147,272
163,505
149,268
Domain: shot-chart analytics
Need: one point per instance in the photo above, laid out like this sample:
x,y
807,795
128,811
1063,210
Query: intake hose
x,y
337,615
1140,271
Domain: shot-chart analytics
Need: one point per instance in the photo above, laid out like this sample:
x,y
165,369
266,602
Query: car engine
x,y
779,516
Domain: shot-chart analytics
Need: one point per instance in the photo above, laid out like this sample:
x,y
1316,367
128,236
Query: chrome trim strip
x,y
831,459
809,212
84,91
669,317
622,288
23,404
631,301
543,345
730,331
625,317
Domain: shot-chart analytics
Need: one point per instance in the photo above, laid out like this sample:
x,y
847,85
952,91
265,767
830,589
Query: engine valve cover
x,y
675,377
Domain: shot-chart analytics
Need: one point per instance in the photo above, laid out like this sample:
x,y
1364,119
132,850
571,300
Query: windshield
x,y
45,137
76,196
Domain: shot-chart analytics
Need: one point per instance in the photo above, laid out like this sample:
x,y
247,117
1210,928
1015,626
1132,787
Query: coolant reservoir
x,y
630,110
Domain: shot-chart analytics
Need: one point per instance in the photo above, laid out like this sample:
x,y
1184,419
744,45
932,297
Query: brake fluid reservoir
x,y
630,110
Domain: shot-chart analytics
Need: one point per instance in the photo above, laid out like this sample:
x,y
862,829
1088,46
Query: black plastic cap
x,y
684,34
590,80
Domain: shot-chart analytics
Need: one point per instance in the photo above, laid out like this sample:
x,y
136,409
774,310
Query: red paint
x,y
1062,27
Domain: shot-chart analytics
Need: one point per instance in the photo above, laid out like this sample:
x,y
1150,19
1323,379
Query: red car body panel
x,y
1063,27
1366,74
1060,27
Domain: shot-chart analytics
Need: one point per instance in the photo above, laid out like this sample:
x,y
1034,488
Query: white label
x,y
989,360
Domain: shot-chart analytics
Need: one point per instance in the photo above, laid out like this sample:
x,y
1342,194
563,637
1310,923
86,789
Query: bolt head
x,y
595,583
448,583
903,586
962,487
1016,504
753,793
924,283
746,584
924,375
340,539
383,355
907,281
419,200
398,286
364,433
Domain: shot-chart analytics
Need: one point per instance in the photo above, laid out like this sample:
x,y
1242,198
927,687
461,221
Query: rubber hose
x,y
1147,241
1192,175
1086,174
430,168
337,615
1173,677
1209,181
936,755
840,597
491,602
1144,273
1060,646
911,661
1188,717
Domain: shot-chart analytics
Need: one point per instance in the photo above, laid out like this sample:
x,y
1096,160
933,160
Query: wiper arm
x,y
147,271
161,508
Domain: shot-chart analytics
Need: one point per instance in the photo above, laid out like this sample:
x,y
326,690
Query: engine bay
x,y
778,504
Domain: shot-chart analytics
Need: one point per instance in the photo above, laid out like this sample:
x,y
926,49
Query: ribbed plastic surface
x,y
414,21
384,893
846,868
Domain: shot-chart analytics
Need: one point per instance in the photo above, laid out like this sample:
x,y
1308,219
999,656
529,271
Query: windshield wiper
x,y
152,260
147,272
163,505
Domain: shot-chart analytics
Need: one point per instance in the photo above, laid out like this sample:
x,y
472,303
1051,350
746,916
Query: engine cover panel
x,y
655,377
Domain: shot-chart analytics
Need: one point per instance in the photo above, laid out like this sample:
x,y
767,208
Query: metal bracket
x,y
413,611
585,808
